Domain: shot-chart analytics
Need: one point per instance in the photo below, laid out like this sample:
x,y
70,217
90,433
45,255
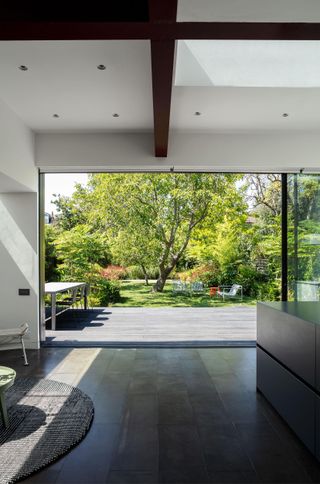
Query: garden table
x,y
7,377
54,288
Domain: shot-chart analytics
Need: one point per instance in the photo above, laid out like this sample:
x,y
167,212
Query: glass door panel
x,y
304,237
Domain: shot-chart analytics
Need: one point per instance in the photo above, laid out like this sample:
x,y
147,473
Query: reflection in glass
x,y
304,237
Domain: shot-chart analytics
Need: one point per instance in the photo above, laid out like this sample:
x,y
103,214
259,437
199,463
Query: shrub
x,y
270,291
51,261
136,272
114,273
255,284
107,292
206,273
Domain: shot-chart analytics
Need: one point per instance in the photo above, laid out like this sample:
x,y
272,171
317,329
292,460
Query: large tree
x,y
158,212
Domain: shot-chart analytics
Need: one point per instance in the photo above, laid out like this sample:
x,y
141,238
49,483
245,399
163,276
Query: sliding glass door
x,y
304,237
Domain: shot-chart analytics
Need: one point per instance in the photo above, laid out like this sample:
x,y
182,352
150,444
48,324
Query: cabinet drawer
x,y
289,339
294,401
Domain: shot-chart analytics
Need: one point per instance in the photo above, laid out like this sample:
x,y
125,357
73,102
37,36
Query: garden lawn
x,y
137,294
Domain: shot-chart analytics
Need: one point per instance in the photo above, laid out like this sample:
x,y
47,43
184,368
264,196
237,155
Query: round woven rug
x,y
47,418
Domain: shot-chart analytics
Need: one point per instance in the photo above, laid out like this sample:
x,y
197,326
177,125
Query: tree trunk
x,y
165,270
162,279
146,278
159,285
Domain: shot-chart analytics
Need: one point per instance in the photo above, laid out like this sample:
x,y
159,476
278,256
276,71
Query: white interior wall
x,y
17,150
18,225
19,262
255,152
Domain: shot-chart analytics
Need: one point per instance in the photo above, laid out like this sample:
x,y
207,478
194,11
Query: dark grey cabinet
x,y
288,365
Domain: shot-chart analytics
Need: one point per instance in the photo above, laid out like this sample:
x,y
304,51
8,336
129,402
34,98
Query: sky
x,y
63,184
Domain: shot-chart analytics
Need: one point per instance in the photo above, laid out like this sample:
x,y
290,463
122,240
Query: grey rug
x,y
47,418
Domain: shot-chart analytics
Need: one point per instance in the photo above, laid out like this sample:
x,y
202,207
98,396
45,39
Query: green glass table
x,y
7,377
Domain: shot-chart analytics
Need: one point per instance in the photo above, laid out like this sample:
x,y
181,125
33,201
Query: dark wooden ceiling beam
x,y
162,60
163,11
161,30
162,14
75,31
247,31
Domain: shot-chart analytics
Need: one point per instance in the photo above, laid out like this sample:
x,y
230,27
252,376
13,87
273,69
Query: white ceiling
x,y
248,10
226,109
243,86
63,78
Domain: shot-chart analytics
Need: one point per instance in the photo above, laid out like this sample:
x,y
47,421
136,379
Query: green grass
x,y
137,294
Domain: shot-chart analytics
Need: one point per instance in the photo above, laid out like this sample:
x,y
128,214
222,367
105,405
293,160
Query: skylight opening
x,y
229,63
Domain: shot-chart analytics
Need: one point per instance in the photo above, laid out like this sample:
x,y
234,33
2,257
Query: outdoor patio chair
x,y
233,291
197,287
179,287
70,300
80,297
7,336
77,297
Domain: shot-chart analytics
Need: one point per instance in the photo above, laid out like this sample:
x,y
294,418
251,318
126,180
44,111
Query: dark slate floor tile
x,y
168,353
109,406
197,383
122,361
313,472
242,406
132,477
137,448
192,365
253,432
283,476
90,461
223,449
46,476
168,361
248,377
142,383
241,356
228,382
145,366
179,447
188,354
272,461
183,475
142,409
216,365
175,408
147,354
208,410
170,383
169,366
181,459
172,415
234,478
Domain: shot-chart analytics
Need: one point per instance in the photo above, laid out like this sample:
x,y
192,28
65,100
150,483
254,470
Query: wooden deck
x,y
160,326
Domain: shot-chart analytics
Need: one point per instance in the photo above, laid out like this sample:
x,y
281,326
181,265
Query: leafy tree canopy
x,y
149,218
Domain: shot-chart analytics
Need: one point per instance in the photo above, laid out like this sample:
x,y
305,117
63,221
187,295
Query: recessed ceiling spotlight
x,y
101,67
23,68
55,116
285,115
115,115
197,113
